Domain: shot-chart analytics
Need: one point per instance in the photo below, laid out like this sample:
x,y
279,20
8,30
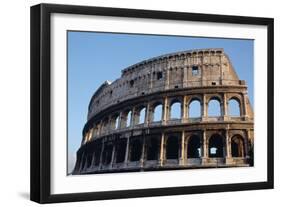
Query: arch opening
x,y
234,108
216,146
128,119
214,108
175,112
121,151
97,154
142,116
135,150
194,109
116,122
194,147
172,147
237,147
157,113
107,154
152,148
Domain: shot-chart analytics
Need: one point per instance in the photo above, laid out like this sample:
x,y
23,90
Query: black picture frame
x,y
41,99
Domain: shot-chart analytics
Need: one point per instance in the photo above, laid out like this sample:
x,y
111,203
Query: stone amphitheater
x,y
131,125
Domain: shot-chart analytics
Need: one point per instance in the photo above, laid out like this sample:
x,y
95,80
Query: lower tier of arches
x,y
146,150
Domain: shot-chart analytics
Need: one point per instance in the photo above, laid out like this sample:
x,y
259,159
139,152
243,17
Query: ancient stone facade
x,y
123,134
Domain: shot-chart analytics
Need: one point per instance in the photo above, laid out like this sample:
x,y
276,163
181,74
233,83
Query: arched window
x,y
237,146
128,119
121,150
104,125
116,122
216,146
152,148
175,112
157,113
142,116
194,109
193,147
214,108
233,107
107,154
135,149
89,159
172,147
97,154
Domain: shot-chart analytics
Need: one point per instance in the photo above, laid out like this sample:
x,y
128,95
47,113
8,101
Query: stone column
x,y
162,149
184,85
167,81
127,151
245,105
151,79
205,148
225,108
113,154
204,108
147,114
247,142
164,110
142,160
183,110
101,153
220,67
109,124
228,159
81,163
93,159
182,154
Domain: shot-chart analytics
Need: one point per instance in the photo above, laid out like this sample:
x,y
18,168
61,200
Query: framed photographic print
x,y
132,103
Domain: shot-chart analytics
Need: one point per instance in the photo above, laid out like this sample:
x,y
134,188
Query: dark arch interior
x,y
97,154
135,150
84,160
121,151
107,154
152,148
216,146
89,159
193,147
237,147
172,147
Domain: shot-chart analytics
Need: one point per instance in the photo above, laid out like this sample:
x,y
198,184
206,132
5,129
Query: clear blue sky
x,y
96,57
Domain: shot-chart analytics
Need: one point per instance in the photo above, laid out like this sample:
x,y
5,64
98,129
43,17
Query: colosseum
x,y
131,125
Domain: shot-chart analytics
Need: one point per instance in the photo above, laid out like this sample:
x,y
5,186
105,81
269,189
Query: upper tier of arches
x,y
191,108
188,69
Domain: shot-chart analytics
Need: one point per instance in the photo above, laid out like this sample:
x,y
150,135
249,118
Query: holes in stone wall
x,y
142,115
159,75
157,113
237,146
233,108
116,122
175,112
172,147
216,146
214,108
128,119
121,151
193,147
107,154
194,109
153,144
195,71
135,149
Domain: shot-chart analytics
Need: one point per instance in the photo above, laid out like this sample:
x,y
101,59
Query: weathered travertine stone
x,y
121,133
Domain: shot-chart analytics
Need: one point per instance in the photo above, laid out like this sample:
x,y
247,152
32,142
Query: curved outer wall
x,y
116,137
